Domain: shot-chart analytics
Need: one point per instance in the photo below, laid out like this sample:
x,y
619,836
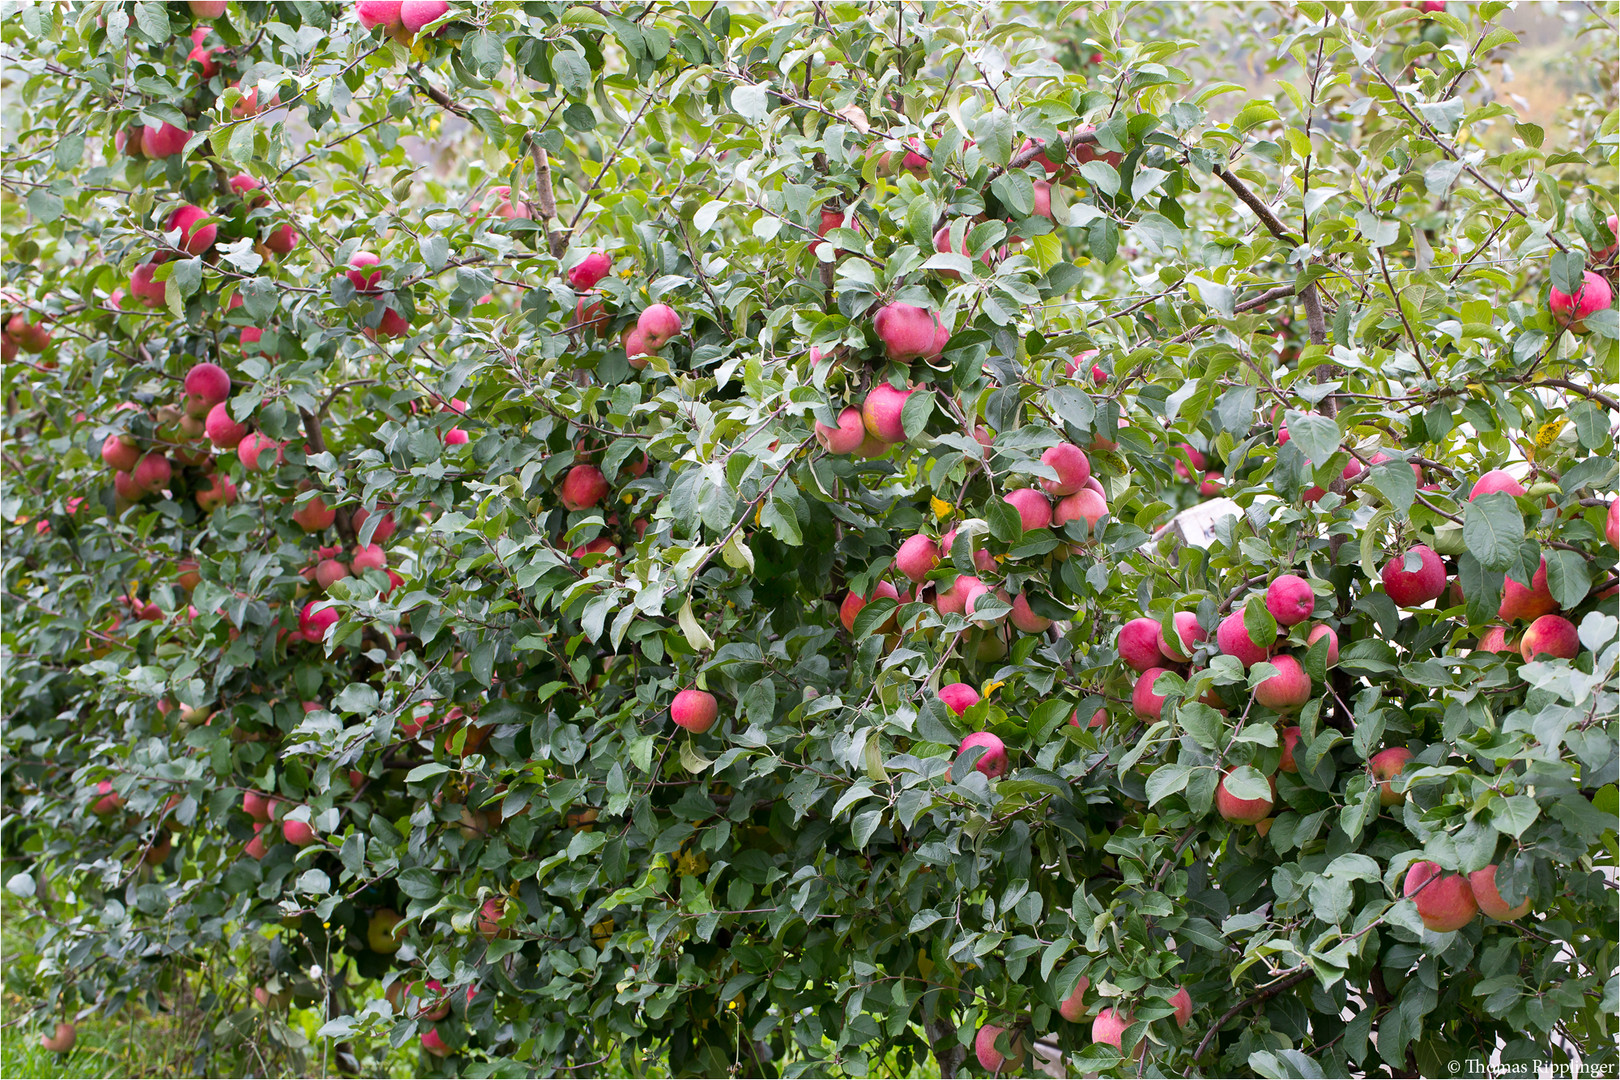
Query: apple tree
x,y
828,538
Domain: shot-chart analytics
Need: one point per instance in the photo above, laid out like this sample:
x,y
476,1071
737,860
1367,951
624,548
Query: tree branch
x,y
1254,999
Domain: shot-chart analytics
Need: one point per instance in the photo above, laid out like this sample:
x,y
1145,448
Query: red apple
x,y
917,557
1529,604
1288,689
1240,811
1072,467
1290,739
993,1060
1324,631
1385,766
1232,636
1139,644
583,487
1144,702
881,412
1188,635
657,325
1034,509
62,1041
909,333
1552,635
847,437
1495,480
1592,295
1290,599
695,710
1482,883
958,697
1416,587
1444,901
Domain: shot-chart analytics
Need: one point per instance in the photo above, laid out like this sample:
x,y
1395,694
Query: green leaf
x,y
1493,529
1396,482
1514,814
914,414
1317,436
1166,780
1247,782
1567,577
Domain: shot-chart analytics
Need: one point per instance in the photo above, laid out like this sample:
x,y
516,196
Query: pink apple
x,y
1240,811
368,557
1025,618
1146,704
854,603
918,555
1417,587
1550,635
1290,599
314,624
120,452
374,13
1072,1008
589,270
1072,467
993,762
847,437
224,432
958,697
583,487
194,239
1444,901
164,140
1139,644
314,515
1496,480
1084,505
1482,883
152,473
254,447
1323,631
695,710
1034,509
1385,766
1188,635
1528,604
1495,640
206,386
1182,1002
297,833
1109,1027
953,601
909,333
432,1041
658,324
1290,739
1288,689
1232,637
1593,295
415,14
993,1060
881,412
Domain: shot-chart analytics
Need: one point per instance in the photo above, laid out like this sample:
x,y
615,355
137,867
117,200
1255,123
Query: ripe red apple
x,y
589,270
1232,636
1139,644
1240,811
847,437
1290,739
1071,465
328,571
953,601
1084,505
1193,455
1385,766
1043,200
282,239
1350,472
1495,640
1591,296
258,805
221,491
917,557
881,412
909,332
108,801
1034,509
33,337
193,239
1072,1008
993,1060
1529,604
1611,525
1552,635
1188,635
1098,718
314,624
489,919
983,561
62,1041
958,697
251,191
152,473
142,286
695,710
207,9
1614,230
385,526
1182,1002
1146,704
1077,363
297,833
854,602
432,1042
657,325
164,140
1324,631
1444,901
415,14
119,452
254,450
1290,599
1109,1027
314,515
1417,587
993,762
257,848
368,557
1482,883
224,432
942,244
1025,618
583,487
1288,689
1495,480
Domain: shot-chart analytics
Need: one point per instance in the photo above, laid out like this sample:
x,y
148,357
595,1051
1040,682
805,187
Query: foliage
x,y
481,741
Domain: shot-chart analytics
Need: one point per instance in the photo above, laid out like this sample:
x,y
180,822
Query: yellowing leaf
x,y
993,686
941,508
1548,432
695,636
